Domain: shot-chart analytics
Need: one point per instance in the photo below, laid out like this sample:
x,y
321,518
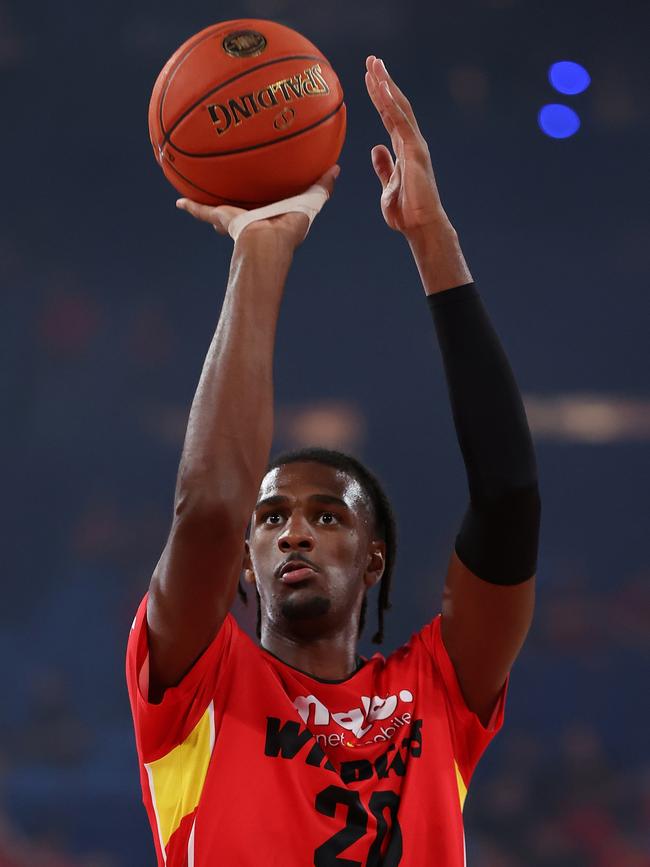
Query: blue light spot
x,y
568,77
558,121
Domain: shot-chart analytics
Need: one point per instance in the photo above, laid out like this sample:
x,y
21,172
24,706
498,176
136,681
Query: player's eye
x,y
273,518
328,518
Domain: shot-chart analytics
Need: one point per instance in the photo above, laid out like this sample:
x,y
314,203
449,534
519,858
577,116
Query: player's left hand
x,y
410,201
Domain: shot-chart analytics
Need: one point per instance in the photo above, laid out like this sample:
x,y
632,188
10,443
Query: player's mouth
x,y
296,570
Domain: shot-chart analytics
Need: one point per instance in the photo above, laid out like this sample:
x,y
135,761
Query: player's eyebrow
x,y
270,501
329,500
325,499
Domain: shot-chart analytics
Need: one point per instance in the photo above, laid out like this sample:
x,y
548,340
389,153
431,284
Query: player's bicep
x,y
191,592
483,628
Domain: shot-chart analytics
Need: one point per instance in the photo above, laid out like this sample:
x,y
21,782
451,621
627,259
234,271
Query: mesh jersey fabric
x,y
250,761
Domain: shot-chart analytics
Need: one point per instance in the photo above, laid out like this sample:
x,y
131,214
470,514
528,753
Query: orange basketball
x,y
246,112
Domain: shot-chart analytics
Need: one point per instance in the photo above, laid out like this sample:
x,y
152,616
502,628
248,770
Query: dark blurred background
x,y
111,297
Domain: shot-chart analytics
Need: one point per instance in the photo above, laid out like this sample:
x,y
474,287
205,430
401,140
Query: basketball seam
x,y
194,43
167,134
263,144
246,201
224,200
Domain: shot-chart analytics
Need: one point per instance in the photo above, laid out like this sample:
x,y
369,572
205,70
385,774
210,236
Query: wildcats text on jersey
x,y
286,740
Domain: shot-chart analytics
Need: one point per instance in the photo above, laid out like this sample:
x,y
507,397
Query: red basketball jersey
x,y
250,761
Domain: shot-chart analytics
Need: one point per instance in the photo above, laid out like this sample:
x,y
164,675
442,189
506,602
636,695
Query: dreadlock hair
x,y
385,524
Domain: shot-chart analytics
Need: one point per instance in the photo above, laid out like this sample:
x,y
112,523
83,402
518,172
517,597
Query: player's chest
x,y
340,768
375,728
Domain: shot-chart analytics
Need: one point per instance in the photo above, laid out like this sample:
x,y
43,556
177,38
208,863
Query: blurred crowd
x,y
561,802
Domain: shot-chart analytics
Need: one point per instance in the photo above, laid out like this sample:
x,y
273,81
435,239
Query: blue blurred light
x,y
558,121
568,77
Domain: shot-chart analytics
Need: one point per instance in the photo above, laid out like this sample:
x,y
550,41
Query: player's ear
x,y
376,563
247,565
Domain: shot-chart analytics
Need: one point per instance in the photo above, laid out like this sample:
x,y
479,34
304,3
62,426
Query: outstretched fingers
x,y
395,120
397,123
378,73
377,99
219,217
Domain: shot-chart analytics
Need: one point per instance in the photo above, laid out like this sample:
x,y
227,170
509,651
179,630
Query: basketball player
x,y
297,751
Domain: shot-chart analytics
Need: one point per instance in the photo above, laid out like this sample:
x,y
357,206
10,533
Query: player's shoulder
x,y
422,645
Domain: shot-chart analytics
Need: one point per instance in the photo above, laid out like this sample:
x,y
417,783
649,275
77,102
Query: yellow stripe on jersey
x,y
462,788
177,779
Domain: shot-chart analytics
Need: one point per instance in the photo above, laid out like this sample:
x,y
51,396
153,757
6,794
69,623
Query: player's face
x,y
312,550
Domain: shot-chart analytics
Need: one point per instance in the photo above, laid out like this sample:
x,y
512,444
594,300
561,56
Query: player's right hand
x,y
292,227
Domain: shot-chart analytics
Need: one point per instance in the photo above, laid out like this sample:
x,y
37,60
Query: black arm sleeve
x,y
499,535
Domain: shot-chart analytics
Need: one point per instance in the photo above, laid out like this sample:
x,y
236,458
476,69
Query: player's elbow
x,y
499,537
199,507
220,498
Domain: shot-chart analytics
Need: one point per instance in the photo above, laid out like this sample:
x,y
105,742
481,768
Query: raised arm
x,y
489,590
226,448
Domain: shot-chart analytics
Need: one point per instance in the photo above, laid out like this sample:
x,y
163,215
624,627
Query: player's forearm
x,y
439,258
230,427
498,539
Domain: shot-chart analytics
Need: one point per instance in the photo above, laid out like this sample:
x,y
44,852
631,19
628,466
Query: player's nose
x,y
297,535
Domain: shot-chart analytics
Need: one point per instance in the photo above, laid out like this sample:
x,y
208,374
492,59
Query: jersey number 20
x,y
356,823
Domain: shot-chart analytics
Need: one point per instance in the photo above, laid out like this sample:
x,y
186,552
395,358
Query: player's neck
x,y
328,658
